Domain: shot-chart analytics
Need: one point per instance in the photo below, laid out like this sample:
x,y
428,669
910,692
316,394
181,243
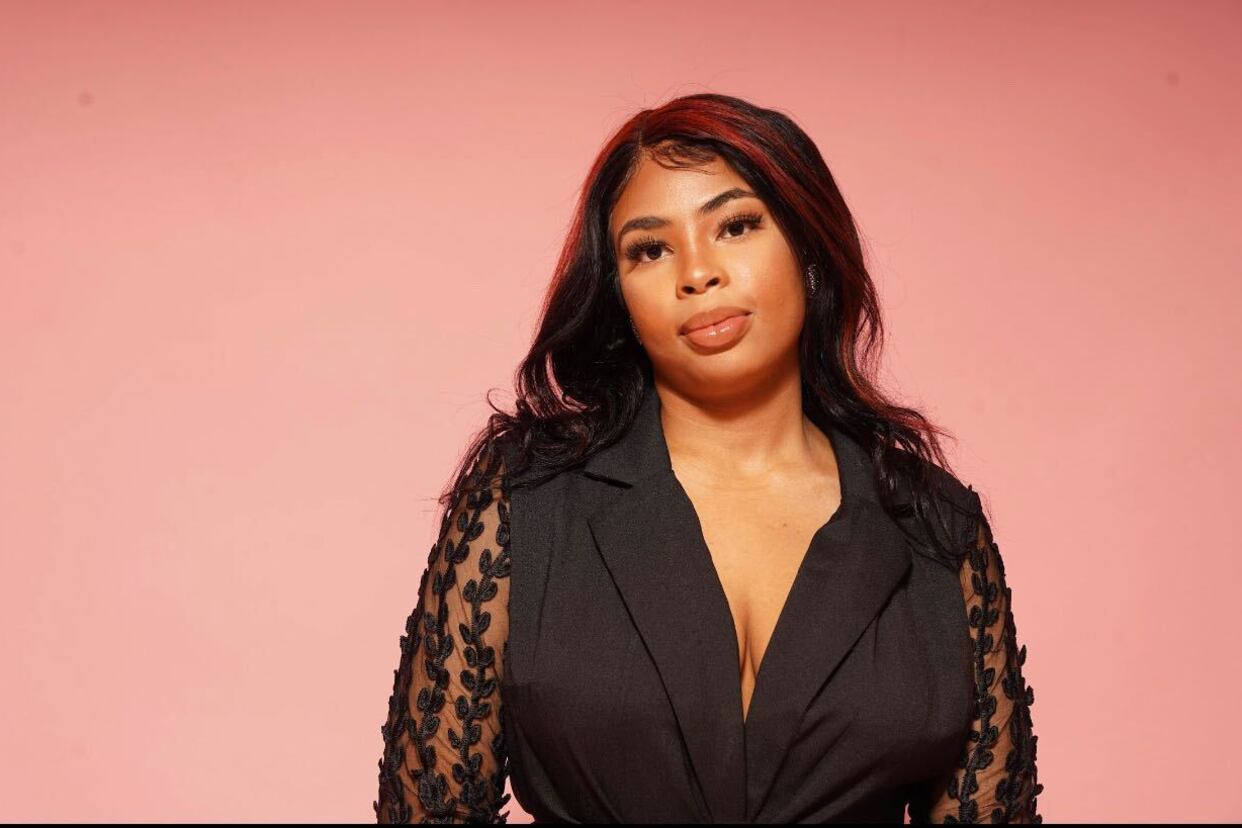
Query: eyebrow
x,y
711,205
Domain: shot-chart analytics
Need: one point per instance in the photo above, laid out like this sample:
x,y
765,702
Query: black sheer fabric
x,y
444,745
995,780
448,736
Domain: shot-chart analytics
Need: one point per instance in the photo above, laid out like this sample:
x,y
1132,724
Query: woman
x,y
707,572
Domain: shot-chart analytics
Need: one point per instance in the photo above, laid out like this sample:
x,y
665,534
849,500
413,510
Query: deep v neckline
x,y
836,524
646,531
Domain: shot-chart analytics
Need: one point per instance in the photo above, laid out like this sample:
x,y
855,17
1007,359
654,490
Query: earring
x,y
812,279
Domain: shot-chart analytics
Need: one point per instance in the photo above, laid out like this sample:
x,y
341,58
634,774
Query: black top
x,y
575,637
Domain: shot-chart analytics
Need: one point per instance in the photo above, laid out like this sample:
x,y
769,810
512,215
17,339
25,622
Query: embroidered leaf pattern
x,y
445,758
995,780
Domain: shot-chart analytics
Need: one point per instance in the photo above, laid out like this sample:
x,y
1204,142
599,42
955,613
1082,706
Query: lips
x,y
705,319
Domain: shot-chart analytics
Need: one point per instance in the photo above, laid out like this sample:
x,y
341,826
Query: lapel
x,y
652,544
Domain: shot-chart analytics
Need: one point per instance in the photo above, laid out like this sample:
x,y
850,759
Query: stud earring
x,y
812,279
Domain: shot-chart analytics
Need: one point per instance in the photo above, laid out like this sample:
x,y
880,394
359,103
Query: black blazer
x,y
574,636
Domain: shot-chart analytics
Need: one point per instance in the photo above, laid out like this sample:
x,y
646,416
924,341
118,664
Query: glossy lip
x,y
728,332
705,319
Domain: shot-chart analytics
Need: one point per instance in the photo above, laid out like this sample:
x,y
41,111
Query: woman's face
x,y
690,241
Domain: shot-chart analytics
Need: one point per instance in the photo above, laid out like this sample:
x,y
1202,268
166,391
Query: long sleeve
x,y
445,759
996,779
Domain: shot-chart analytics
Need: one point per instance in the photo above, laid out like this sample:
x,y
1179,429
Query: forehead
x,y
671,193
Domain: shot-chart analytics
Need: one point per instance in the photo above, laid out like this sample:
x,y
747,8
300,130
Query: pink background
x,y
261,261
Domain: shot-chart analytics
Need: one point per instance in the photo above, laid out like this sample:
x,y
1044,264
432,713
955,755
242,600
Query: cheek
x,y
648,312
782,305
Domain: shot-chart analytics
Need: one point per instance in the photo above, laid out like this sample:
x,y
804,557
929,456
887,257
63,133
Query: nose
x,y
701,274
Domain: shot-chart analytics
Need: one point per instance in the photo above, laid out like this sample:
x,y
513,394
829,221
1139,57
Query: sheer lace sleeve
x,y
995,780
445,759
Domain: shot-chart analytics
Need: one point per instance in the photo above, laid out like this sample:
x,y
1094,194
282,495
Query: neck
x,y
743,439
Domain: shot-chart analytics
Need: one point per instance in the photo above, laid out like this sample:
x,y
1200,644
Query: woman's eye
x,y
740,223
641,251
637,251
648,250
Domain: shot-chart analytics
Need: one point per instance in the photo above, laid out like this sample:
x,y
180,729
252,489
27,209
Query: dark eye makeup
x,y
634,250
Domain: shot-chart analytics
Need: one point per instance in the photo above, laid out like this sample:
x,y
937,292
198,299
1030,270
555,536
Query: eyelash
x,y
635,249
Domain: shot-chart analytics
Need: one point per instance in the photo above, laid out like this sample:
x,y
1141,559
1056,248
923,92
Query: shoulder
x,y
947,488
529,472
953,511
958,494
480,487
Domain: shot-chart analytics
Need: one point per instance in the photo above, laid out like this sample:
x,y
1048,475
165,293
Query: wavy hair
x,y
579,386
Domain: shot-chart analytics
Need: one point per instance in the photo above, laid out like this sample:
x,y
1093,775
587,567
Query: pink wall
x,y
260,262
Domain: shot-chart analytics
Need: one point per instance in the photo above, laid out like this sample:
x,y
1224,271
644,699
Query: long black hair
x,y
579,386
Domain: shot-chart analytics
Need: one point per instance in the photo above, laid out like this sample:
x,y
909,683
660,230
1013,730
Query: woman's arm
x,y
995,780
445,758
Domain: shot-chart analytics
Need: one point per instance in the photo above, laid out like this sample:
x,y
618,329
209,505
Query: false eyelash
x,y
635,248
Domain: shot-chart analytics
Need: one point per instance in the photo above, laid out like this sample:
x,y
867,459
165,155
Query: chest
x,y
758,540
627,629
